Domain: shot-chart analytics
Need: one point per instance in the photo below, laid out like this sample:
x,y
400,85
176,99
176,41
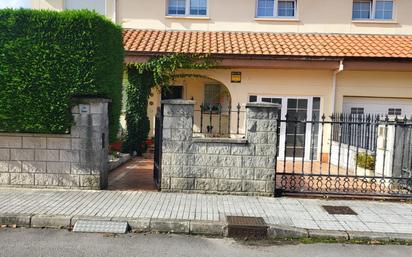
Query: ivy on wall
x,y
157,72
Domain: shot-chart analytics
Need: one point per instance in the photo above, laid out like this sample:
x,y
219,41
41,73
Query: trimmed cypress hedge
x,y
46,58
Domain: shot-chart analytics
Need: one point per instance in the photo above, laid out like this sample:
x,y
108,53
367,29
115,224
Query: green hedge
x,y
46,58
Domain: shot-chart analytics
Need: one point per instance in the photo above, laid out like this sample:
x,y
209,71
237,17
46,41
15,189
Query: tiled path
x,y
135,175
386,217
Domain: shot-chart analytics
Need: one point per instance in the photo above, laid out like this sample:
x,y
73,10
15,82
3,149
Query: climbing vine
x,y
157,72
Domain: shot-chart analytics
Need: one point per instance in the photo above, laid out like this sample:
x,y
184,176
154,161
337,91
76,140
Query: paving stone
x,y
136,225
191,213
362,235
172,226
282,231
15,219
210,228
318,233
50,221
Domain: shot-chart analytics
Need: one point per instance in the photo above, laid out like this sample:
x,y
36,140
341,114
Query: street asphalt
x,y
49,242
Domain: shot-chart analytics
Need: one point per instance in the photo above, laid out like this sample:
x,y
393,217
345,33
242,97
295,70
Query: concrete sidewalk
x,y
205,214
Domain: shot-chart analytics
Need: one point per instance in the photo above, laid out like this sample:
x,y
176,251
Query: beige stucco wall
x,y
278,82
56,5
373,84
269,82
59,5
319,16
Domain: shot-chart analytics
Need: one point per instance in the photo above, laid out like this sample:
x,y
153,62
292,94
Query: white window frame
x,y
395,110
282,137
275,11
373,12
187,10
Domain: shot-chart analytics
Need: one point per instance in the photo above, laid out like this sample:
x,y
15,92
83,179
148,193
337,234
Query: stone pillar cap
x,y
262,105
178,102
87,100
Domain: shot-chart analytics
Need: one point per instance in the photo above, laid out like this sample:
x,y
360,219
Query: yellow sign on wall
x,y
236,77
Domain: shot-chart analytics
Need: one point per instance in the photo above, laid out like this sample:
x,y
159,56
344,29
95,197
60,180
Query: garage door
x,y
365,105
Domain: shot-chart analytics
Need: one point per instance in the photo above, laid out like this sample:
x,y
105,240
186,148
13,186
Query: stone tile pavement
x,y
376,217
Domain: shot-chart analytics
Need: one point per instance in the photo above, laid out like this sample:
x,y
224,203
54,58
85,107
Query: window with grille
x,y
357,110
276,8
372,9
395,111
187,7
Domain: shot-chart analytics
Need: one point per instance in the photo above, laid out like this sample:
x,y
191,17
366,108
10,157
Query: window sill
x,y
375,21
278,19
188,17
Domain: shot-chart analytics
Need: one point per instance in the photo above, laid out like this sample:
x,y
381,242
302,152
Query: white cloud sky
x,y
15,4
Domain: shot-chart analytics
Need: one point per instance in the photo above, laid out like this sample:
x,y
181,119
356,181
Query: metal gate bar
x,y
357,155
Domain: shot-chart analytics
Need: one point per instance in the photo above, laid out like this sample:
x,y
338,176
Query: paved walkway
x,y
136,174
386,217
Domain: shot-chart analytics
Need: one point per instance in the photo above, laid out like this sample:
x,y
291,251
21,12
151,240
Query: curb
x,y
194,227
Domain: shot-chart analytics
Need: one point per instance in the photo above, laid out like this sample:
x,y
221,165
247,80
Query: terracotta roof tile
x,y
275,44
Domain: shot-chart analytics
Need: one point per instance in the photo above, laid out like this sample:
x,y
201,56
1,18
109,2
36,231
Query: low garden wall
x,y
76,160
243,166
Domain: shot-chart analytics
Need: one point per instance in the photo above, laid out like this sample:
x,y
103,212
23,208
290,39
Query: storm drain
x,y
100,226
246,227
342,210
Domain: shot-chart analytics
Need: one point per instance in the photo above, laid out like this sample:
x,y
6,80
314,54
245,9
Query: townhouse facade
x,y
349,56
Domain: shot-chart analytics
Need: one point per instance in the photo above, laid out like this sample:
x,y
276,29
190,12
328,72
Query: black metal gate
x,y
355,155
157,169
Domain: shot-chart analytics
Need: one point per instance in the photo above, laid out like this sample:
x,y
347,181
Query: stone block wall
x,y
244,166
76,160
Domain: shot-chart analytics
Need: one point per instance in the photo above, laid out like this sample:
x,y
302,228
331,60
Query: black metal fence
x,y
356,130
216,120
362,155
157,174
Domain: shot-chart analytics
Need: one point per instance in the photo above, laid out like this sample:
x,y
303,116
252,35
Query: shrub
x,y
138,124
46,58
142,77
366,161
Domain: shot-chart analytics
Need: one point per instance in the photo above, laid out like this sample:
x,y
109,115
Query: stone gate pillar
x,y
221,165
90,136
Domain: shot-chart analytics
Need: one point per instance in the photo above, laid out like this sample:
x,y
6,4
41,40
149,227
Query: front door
x,y
299,135
173,92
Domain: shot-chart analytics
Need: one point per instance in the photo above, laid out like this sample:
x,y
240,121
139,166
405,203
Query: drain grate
x,y
246,227
339,210
100,226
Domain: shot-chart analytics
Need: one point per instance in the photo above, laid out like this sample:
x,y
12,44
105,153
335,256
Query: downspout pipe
x,y
334,76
